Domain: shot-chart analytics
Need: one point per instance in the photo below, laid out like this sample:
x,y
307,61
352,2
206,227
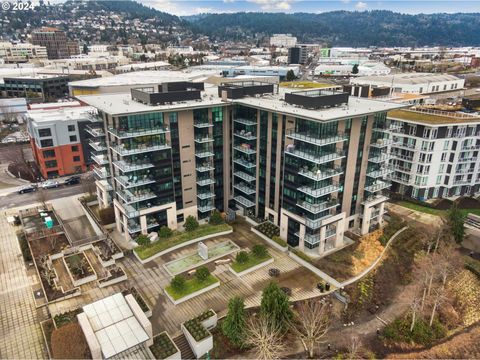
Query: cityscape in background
x,y
219,185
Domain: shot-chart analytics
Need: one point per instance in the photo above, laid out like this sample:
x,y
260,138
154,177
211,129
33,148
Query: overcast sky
x,y
315,6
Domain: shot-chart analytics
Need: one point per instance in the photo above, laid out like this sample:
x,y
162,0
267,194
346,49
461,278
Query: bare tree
x,y
312,324
438,299
354,348
15,154
265,339
414,307
88,184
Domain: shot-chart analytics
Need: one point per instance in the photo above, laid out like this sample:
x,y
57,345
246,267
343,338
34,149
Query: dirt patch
x,y
467,203
52,244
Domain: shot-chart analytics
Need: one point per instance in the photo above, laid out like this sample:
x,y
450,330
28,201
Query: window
x,y
426,133
51,164
49,154
446,145
74,148
439,180
76,158
412,130
444,157
71,127
46,143
44,132
73,138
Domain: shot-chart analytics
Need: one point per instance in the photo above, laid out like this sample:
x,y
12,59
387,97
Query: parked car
x,y
27,189
72,180
49,184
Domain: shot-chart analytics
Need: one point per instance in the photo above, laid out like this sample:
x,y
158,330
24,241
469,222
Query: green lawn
x,y
252,261
177,238
431,211
191,286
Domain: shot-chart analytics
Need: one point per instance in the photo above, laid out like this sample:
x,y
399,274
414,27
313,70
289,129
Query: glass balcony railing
x,y
204,154
95,131
203,139
129,133
134,180
100,172
314,239
205,182
244,176
204,167
380,158
316,193
97,145
245,122
202,124
320,174
245,135
465,171
382,143
100,159
130,197
318,159
206,208
380,172
468,159
135,227
245,149
244,188
320,141
143,148
244,163
402,145
317,223
377,186
374,198
244,201
317,208
127,166
205,195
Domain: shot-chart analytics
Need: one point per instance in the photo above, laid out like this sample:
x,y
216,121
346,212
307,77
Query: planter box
x,y
175,356
251,222
201,347
83,280
176,247
106,263
192,295
252,269
269,241
147,313
116,280
210,322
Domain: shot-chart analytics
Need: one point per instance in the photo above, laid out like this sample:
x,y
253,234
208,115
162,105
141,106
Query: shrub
x,y
242,257
234,325
165,232
422,334
27,255
202,273
275,306
259,251
191,223
178,283
142,240
280,241
216,218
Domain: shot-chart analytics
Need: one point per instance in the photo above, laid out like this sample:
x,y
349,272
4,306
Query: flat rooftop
x,y
122,103
433,117
61,114
407,78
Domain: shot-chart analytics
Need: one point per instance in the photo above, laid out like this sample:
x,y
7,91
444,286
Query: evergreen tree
x,y
456,222
355,69
290,75
233,326
275,306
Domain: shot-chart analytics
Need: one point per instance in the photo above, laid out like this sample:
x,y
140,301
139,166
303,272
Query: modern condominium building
x,y
434,153
308,161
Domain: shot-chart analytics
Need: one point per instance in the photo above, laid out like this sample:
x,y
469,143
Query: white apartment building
x,y
433,153
365,69
413,83
283,40
21,52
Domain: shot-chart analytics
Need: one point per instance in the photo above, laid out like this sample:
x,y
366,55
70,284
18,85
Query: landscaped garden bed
x,y
270,233
164,348
181,289
150,251
247,262
140,300
116,275
80,269
108,252
197,332
66,317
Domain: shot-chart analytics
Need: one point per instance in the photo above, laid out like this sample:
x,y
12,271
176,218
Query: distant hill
x,y
344,28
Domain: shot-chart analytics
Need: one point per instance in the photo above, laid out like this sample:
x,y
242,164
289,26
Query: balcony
x,y
244,188
244,176
467,159
202,124
205,167
97,145
203,139
401,179
204,154
134,181
465,171
100,172
244,163
402,145
463,182
100,159
317,223
383,143
374,199
470,148
408,158
139,195
377,186
95,131
144,148
402,169
316,193
245,122
318,208
380,158
127,166
316,158
245,149
205,195
327,140
206,208
245,135
320,174
314,239
134,227
125,134
244,201
205,182
380,172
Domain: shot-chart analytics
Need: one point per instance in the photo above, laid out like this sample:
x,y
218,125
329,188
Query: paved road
x,y
15,199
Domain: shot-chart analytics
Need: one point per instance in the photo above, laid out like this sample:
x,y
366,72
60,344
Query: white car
x,y
49,184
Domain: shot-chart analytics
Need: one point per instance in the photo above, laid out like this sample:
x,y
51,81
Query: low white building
x,y
365,69
413,83
283,40
21,52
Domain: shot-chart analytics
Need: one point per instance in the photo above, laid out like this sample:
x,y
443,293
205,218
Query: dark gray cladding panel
x,y
317,99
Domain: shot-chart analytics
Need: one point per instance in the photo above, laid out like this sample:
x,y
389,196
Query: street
x,y
15,199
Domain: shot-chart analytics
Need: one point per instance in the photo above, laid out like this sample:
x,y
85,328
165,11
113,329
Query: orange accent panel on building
x,y
63,156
